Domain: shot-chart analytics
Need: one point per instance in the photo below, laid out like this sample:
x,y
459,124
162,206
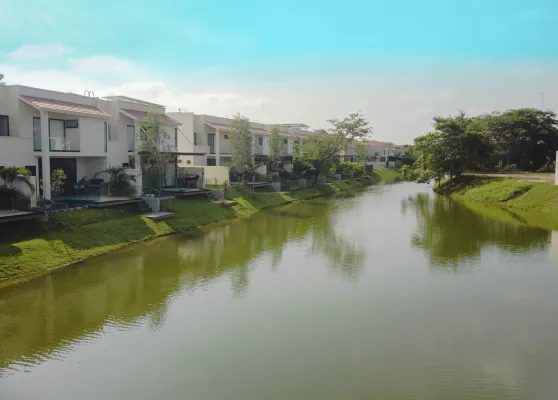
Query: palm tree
x,y
119,180
11,175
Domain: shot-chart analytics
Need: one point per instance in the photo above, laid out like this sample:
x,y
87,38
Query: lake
x,y
392,294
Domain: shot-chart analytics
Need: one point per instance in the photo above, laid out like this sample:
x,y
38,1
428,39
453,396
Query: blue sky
x,y
220,56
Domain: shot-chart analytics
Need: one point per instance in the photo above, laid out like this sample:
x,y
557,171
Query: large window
x,y
211,143
106,136
4,125
37,134
131,133
57,134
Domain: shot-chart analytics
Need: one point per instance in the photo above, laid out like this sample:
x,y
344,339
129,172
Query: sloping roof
x,y
227,127
140,116
378,143
63,106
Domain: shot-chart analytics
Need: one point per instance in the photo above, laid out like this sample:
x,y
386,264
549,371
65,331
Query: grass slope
x,y
32,248
531,203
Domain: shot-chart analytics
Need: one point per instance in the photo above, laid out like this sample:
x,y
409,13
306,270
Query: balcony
x,y
69,143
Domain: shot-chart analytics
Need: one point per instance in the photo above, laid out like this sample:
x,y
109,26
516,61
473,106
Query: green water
x,y
393,294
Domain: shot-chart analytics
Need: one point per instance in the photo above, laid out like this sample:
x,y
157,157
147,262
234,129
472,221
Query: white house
x,y
45,130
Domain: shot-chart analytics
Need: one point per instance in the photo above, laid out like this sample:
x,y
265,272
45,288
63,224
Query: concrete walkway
x,y
529,177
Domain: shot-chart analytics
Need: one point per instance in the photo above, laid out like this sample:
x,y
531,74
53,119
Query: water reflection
x,y
127,288
453,234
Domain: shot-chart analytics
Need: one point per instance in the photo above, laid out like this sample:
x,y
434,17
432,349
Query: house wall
x,y
216,175
89,166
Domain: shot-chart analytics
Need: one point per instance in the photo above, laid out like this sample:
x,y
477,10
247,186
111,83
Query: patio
x,y
15,215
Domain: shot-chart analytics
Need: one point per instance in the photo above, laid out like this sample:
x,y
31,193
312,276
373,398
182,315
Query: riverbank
x,y
33,248
527,203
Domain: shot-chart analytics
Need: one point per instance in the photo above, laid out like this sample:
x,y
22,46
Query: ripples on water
x,y
395,293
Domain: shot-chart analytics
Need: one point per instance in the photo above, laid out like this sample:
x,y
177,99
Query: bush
x,y
551,167
349,169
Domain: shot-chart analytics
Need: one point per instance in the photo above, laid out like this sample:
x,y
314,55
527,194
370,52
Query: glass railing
x,y
63,144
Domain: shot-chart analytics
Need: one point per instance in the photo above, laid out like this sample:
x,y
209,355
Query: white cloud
x,y
103,65
35,52
398,110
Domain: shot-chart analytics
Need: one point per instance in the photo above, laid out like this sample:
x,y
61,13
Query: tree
x,y
275,147
361,152
57,181
120,181
11,175
457,144
241,142
525,137
376,156
156,150
319,151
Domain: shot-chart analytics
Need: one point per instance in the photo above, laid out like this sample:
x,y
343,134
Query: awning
x,y
141,115
225,127
67,107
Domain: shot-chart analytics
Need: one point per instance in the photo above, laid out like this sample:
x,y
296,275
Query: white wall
x,y
216,175
89,166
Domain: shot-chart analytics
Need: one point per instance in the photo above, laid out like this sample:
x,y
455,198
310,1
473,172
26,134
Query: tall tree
x,y
275,147
321,150
241,142
156,149
525,137
361,153
456,145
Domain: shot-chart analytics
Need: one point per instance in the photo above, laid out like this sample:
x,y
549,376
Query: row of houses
x,y
46,130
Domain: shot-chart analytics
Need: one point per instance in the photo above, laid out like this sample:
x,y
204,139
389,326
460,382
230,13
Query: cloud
x,y
103,65
398,109
36,52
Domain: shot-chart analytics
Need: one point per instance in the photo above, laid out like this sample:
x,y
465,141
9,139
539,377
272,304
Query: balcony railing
x,y
63,144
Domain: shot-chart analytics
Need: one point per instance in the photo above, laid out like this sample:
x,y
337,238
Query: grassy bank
x,y
32,248
530,203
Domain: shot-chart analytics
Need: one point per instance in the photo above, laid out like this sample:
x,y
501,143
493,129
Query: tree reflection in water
x,y
120,290
452,233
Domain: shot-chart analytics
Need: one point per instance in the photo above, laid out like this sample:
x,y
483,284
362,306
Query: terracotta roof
x,y
140,116
64,106
227,127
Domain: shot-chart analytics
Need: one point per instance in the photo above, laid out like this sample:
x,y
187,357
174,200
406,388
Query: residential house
x,y
125,139
46,130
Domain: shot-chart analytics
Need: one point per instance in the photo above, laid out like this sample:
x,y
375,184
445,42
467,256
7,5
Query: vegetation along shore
x,y
468,157
38,247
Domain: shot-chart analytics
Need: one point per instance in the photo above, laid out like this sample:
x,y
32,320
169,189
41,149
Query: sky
x,y
400,62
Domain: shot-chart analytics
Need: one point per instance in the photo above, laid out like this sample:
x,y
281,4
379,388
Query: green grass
x,y
529,203
32,248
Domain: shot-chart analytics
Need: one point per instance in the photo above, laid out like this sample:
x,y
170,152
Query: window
x,y
176,137
132,162
131,134
57,135
37,134
211,143
4,125
106,136
195,139
260,141
211,162
71,123
285,141
226,137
